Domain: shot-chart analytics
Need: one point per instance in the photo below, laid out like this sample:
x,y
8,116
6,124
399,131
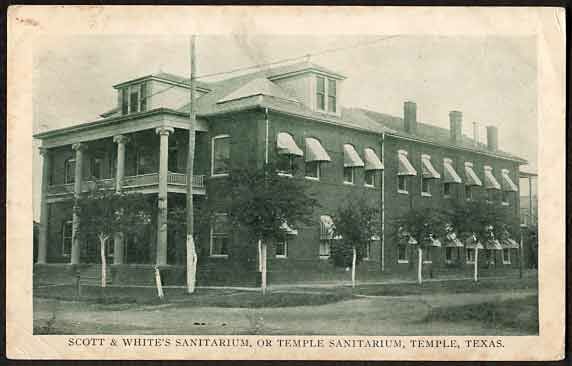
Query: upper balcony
x,y
144,183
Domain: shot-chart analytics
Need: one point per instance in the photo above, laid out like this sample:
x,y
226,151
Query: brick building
x,y
294,113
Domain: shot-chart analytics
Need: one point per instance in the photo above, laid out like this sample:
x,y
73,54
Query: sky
x,y
492,80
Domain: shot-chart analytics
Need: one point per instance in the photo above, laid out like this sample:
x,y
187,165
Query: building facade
x,y
293,114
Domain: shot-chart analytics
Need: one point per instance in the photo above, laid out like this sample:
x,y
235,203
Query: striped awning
x,y
449,173
451,241
493,244
287,229
471,178
434,242
315,151
428,169
326,227
509,243
490,180
471,242
351,157
405,237
405,167
287,146
372,161
507,183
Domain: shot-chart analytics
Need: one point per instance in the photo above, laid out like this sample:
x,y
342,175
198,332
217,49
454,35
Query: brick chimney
x,y
456,129
492,138
410,117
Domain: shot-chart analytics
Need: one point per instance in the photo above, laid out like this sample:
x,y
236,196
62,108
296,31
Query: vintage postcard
x,y
281,183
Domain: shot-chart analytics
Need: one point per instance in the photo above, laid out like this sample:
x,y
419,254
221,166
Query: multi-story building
x,y
294,113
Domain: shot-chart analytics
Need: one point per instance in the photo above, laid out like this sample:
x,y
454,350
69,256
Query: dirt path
x,y
383,315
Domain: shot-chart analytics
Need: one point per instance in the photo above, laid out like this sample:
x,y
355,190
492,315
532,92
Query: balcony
x,y
146,183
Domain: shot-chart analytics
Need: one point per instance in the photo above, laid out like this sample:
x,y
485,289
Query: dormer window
x,y
326,94
134,98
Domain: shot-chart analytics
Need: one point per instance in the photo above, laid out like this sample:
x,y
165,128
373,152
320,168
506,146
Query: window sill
x,y
219,175
402,261
369,185
425,194
427,262
225,256
504,204
447,196
312,178
285,174
470,262
503,262
349,183
281,257
324,257
402,191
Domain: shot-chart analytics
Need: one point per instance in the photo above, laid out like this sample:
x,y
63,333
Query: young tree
x,y
106,213
356,223
425,226
265,204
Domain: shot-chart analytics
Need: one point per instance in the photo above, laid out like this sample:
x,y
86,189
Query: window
x,y
490,195
281,249
143,97
402,254
348,175
370,178
468,193
506,256
173,159
325,248
134,98
447,190
427,255
312,169
112,164
470,255
145,162
321,93
505,198
286,164
425,187
332,96
448,254
97,168
124,101
366,255
67,234
402,184
220,155
220,236
69,171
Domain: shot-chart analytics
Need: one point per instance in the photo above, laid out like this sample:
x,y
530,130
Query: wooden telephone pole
x,y
190,242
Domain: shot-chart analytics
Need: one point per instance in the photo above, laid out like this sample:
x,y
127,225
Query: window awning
x,y
471,242
287,146
405,167
372,161
449,173
326,227
493,244
288,229
375,238
471,178
509,243
351,157
428,169
315,151
490,180
507,183
405,238
451,241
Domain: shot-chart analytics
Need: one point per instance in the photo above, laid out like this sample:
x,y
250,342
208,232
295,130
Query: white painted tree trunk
x,y
102,243
420,265
191,264
159,283
476,272
354,259
263,260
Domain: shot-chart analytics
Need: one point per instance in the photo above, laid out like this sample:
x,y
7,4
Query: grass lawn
x,y
520,314
457,286
202,297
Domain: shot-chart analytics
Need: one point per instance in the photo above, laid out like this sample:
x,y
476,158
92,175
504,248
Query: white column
x,y
43,230
118,239
75,249
163,132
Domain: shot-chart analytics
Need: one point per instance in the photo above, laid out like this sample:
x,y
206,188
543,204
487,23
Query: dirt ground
x,y
365,315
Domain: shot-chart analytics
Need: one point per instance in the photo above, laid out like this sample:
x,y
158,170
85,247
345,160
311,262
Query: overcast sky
x,y
492,80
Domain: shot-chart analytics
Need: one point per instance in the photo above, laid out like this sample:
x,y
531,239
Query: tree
x,y
265,205
481,222
106,213
356,223
425,226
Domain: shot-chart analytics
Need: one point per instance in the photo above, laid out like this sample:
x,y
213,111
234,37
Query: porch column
x,y
75,249
163,132
118,239
43,230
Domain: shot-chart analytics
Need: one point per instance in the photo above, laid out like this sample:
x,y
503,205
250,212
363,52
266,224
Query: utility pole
x,y
190,242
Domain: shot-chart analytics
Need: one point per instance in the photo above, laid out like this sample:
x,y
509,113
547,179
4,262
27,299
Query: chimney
x,y
410,117
456,129
492,138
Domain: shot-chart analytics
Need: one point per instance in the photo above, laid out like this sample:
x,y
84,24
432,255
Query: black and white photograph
x,y
364,186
